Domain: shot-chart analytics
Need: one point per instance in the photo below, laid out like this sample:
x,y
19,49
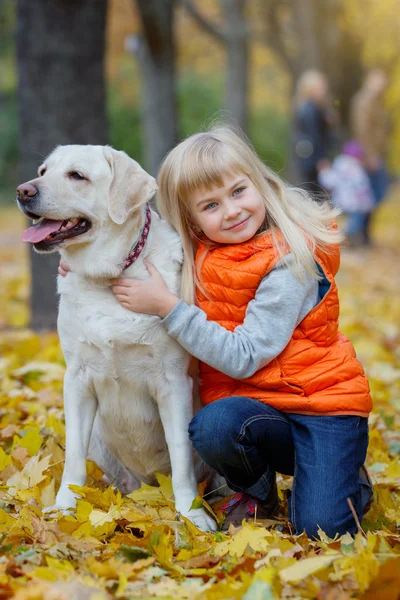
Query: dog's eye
x,y
42,172
76,175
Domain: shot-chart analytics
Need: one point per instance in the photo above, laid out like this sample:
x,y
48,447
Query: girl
x,y
281,387
351,190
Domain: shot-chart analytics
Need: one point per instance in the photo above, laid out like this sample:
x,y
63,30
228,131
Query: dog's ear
x,y
130,187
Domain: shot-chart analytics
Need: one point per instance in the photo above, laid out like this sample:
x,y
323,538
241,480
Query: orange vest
x,y
317,373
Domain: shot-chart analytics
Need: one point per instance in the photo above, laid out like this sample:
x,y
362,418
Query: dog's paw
x,y
201,519
65,502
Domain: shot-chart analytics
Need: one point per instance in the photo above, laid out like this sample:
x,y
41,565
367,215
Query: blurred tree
x,y
156,53
8,117
377,26
307,34
60,52
234,35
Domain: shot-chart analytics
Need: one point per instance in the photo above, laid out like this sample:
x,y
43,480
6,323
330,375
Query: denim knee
x,y
213,432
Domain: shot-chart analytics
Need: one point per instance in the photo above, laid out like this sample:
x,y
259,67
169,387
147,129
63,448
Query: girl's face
x,y
230,214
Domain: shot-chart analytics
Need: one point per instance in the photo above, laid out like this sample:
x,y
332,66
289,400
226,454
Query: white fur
x,y
127,394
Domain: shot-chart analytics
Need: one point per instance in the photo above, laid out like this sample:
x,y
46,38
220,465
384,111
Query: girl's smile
x,y
239,225
230,214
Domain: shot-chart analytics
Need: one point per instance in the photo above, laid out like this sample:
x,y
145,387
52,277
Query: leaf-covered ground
x,y
134,547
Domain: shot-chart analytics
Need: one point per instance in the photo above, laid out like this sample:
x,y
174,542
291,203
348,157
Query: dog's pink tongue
x,y
39,232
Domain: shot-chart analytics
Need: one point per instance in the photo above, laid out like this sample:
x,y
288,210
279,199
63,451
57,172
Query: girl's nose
x,y
231,212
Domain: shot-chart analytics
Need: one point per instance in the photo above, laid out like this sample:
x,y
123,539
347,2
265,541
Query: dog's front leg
x,y
80,406
175,406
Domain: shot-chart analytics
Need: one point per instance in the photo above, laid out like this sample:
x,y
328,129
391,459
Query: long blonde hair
x,y
201,161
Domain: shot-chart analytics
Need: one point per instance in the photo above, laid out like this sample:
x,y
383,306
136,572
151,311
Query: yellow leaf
x,y
44,372
165,483
249,535
5,460
32,441
387,583
98,517
305,567
28,494
393,470
44,573
98,498
148,494
366,568
47,494
133,513
56,425
162,550
83,510
32,473
6,522
83,530
122,583
62,566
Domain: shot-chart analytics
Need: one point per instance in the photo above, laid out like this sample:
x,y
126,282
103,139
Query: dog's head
x,y
79,189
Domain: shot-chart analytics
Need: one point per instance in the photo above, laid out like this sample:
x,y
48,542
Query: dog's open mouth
x,y
48,232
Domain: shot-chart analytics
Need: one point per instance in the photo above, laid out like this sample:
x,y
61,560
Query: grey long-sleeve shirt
x,y
280,304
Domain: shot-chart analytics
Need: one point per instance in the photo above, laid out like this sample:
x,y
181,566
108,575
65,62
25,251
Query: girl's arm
x,y
281,302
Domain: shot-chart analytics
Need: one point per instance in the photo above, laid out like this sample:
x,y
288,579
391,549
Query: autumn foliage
x,y
135,546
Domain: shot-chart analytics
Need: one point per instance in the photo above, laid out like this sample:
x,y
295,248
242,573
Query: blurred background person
x,y
314,120
347,180
370,126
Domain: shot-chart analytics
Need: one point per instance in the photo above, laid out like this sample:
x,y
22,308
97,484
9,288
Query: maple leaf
x,y
248,536
29,439
31,474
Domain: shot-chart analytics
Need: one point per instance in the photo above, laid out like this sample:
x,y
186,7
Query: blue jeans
x,y
360,223
380,182
247,441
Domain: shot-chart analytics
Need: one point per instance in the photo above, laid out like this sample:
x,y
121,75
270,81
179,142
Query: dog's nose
x,y
25,192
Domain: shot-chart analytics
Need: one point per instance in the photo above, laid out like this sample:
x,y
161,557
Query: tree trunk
x,y
237,83
306,25
324,45
157,57
340,54
61,96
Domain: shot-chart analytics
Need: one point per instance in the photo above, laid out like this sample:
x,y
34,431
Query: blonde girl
x,y
281,387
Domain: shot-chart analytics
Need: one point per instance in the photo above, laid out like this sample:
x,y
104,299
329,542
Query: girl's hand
x,y
150,296
63,268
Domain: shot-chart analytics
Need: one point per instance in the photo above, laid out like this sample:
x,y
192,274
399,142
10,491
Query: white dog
x,y
126,390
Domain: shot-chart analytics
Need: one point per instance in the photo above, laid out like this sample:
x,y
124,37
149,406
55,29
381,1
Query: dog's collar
x,y
140,243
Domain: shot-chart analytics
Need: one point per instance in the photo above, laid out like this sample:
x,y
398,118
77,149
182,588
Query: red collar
x,y
140,244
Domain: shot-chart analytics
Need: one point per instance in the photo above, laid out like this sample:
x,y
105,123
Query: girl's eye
x,y
76,175
238,191
210,206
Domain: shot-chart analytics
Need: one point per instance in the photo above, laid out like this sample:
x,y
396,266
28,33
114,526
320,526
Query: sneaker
x,y
367,489
242,506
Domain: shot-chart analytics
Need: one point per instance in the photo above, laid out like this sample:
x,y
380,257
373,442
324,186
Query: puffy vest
x,y
318,372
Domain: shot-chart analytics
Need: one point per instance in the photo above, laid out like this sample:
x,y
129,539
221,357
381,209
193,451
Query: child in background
x,y
282,388
348,181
